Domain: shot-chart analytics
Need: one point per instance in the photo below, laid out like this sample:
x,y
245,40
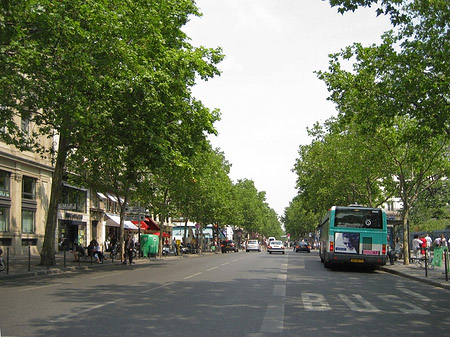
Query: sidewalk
x,y
23,266
435,276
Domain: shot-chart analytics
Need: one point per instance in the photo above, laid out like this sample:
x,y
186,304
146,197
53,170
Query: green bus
x,y
353,235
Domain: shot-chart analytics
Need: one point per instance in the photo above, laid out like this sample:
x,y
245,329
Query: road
x,y
233,294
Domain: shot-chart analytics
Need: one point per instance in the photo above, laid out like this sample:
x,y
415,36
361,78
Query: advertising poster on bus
x,y
347,243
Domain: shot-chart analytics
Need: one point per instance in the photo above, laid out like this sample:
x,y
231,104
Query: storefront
x,y
71,230
112,225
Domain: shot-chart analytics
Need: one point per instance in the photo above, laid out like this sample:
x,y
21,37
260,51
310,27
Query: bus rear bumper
x,y
356,259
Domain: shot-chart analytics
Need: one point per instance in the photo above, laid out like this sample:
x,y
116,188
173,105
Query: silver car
x,y
253,245
275,246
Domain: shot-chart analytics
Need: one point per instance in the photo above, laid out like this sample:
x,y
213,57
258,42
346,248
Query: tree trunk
x,y
49,247
405,236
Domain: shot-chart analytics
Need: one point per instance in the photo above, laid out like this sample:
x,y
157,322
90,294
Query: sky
x,y
268,93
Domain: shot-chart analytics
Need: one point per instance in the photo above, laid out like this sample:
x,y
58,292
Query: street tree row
x,y
111,81
391,134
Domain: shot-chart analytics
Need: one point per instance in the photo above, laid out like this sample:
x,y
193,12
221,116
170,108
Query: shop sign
x,y
71,207
73,216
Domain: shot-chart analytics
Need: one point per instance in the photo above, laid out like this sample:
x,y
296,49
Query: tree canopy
x,y
111,75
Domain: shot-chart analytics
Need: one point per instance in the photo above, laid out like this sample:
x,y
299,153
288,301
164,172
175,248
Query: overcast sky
x,y
268,94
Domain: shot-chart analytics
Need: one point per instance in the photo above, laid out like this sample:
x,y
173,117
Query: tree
x,y
397,92
76,67
298,219
406,75
340,167
431,210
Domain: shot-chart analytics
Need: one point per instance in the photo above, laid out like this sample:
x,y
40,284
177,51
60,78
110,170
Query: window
x,y
28,188
28,221
25,125
75,198
4,217
358,218
4,184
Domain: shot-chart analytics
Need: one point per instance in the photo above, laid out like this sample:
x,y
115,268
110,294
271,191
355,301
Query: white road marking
x,y
106,275
366,305
40,287
79,312
191,276
274,317
314,302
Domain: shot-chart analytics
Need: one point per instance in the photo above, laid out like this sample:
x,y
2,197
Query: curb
x,y
81,268
416,278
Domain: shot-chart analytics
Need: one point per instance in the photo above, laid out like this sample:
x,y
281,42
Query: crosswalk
x,y
358,303
398,299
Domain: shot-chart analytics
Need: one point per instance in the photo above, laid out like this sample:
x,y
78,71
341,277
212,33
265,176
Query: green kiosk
x,y
149,244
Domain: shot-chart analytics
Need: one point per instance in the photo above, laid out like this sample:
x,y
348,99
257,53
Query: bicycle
x,y
421,261
115,251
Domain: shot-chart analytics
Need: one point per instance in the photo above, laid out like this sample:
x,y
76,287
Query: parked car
x,y
275,246
303,247
228,246
253,245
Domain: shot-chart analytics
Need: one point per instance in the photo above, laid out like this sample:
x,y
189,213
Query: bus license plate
x,y
357,260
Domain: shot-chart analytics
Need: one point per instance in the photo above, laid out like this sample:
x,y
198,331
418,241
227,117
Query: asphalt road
x,y
233,294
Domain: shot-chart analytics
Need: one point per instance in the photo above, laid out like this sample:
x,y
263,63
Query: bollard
x,y
29,258
7,261
65,265
426,265
445,264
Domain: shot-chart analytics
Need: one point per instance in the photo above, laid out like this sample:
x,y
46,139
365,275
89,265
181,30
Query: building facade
x,y
25,185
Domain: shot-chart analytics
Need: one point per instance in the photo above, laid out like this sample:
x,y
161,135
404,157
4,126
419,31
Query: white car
x,y
253,245
275,246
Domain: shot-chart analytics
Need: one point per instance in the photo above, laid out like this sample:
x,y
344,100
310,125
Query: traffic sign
x,y
134,209
134,217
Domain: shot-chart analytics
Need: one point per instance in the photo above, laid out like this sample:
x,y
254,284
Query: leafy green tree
x,y
431,211
339,167
396,92
78,68
406,75
298,219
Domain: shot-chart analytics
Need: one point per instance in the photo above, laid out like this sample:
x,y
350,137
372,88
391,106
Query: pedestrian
x,y
390,252
423,245
416,243
129,247
443,242
398,249
429,241
98,254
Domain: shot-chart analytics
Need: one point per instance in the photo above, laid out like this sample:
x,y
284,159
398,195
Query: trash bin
x,y
145,245
153,244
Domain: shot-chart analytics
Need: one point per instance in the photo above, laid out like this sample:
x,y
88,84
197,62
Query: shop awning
x,y
114,221
143,225
112,197
101,195
152,225
165,235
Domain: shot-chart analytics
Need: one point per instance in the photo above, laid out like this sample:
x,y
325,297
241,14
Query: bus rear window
x,y
358,218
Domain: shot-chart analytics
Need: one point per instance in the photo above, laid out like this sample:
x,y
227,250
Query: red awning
x,y
152,225
143,225
165,235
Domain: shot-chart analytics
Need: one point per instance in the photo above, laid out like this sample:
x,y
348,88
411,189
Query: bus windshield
x,y
358,218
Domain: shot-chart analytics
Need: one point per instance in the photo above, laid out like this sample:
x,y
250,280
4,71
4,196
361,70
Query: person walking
x,y
416,243
129,247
